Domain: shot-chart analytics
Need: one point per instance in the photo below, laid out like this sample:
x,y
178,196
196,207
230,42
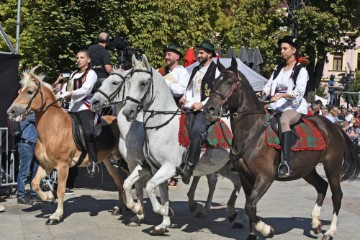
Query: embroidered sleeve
x,y
298,92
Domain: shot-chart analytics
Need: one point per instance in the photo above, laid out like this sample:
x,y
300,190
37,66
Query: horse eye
x,y
144,83
115,83
29,92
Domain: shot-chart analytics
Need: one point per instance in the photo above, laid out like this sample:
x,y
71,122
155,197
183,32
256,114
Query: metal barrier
x,y
7,160
8,164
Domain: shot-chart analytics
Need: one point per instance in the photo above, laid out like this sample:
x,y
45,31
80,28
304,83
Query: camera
x,y
125,52
346,78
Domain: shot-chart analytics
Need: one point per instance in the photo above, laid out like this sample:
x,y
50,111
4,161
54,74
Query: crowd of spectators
x,y
347,119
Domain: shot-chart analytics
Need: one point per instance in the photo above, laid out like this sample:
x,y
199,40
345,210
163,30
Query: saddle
x,y
219,135
307,136
104,136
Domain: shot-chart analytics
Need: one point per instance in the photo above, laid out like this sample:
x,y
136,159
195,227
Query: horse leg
x,y
114,173
63,172
212,180
255,224
35,184
136,207
321,187
334,182
235,179
165,172
191,194
164,198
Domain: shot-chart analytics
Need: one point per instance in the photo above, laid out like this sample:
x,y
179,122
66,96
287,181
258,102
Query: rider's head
x,y
206,51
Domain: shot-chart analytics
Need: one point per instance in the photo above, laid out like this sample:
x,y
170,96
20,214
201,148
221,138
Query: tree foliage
x,y
53,31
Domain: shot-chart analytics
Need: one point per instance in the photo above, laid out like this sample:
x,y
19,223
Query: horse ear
x,y
133,60
234,65
146,62
220,66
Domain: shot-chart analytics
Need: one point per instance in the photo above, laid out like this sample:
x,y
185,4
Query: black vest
x,y
295,71
207,82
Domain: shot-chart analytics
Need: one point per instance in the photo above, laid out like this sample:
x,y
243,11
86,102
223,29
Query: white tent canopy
x,y
256,80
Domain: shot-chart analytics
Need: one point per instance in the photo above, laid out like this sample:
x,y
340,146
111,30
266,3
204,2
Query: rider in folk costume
x,y
286,87
175,75
78,91
197,94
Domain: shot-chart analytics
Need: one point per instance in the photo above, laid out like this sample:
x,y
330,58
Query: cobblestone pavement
x,y
286,206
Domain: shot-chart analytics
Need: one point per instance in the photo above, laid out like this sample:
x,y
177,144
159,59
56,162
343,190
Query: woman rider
x,y
286,87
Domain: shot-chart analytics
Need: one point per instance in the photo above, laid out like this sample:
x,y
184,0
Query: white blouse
x,y
284,84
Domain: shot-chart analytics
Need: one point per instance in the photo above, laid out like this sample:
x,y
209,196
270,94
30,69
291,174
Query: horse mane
x,y
248,88
29,75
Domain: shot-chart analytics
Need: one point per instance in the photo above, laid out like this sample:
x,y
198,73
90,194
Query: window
x,y
358,63
338,59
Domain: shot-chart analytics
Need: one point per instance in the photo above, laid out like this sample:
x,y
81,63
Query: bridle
x,y
225,99
43,106
140,103
111,97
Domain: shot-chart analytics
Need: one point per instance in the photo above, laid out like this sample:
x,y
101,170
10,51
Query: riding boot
x,y
284,166
92,168
191,161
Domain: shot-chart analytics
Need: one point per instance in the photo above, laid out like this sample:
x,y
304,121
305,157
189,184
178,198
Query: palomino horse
x,y
55,148
257,163
146,90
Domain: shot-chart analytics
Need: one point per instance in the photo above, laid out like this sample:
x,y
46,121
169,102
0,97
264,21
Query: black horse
x,y
257,163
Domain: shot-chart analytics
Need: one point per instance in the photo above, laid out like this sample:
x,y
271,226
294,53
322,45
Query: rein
x,y
111,97
140,102
43,107
225,99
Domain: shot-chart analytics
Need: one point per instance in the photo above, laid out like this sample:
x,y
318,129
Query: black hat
x,y
293,41
172,47
207,45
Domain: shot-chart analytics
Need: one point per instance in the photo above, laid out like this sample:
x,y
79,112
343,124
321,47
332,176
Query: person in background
x,y
28,165
331,91
333,114
100,57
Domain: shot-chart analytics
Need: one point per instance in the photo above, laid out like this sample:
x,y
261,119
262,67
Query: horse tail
x,y
350,168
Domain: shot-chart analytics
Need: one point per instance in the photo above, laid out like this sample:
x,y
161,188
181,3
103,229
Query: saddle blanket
x,y
219,135
310,138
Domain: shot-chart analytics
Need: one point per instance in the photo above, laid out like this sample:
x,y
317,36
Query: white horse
x,y
146,90
130,143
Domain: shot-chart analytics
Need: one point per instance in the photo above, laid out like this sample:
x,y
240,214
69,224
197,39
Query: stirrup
x,y
282,175
92,169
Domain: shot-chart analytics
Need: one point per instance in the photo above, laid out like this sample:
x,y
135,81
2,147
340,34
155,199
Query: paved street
x,y
286,206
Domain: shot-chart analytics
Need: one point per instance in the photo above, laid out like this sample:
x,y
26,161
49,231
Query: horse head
x,y
32,96
138,88
111,90
231,92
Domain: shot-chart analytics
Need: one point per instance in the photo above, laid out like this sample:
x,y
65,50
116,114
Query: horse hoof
x,y
232,217
192,207
116,212
251,237
317,230
327,237
52,222
158,231
272,233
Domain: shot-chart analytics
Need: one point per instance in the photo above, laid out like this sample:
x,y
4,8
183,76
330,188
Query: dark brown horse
x,y
257,163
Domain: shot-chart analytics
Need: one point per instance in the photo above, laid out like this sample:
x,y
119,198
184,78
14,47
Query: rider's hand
x,y
182,101
197,106
276,97
260,94
66,95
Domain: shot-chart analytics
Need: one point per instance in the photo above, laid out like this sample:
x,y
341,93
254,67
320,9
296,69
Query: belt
x,y
27,142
